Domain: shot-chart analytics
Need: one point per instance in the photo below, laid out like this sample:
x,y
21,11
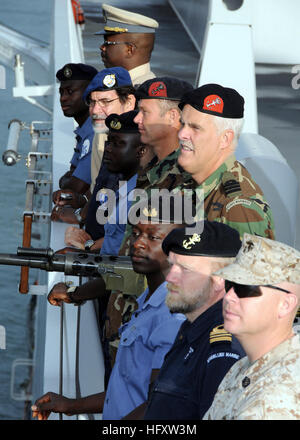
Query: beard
x,y
99,128
186,302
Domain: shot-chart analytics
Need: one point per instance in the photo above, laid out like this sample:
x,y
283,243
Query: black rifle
x,y
117,272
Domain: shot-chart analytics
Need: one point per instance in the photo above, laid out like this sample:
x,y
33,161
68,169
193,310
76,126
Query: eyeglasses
x,y
101,102
114,43
248,291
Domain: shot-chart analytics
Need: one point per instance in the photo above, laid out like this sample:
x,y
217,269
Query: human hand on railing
x,y
59,294
51,402
76,237
64,214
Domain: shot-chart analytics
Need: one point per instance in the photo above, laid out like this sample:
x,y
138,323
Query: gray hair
x,y
167,104
236,125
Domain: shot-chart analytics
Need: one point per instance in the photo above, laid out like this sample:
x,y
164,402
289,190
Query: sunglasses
x,y
248,291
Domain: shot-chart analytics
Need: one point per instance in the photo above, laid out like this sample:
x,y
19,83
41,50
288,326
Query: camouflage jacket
x,y
267,389
231,196
166,174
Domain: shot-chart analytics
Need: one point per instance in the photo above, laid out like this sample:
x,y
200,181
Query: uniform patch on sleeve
x,y
238,202
85,148
219,334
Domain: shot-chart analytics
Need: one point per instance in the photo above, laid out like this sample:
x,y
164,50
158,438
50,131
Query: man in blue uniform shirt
x,y
144,340
203,351
74,79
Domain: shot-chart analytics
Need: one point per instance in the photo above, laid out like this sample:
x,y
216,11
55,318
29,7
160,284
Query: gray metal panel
x,y
193,16
277,180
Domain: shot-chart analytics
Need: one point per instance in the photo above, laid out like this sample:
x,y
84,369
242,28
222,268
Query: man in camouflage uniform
x,y
158,121
259,308
212,119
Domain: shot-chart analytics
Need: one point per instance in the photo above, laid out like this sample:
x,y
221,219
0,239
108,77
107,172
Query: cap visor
x,y
234,272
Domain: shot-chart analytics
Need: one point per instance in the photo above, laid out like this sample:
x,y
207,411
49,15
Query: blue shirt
x,y
81,159
144,341
114,229
202,354
105,179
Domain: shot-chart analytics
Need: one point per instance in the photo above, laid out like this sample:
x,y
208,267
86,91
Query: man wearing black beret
x,y
203,351
212,119
74,79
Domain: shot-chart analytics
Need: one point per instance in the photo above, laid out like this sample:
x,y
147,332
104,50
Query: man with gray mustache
x,y
212,120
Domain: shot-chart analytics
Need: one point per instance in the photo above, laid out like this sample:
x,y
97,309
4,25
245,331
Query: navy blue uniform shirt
x,y
193,368
107,180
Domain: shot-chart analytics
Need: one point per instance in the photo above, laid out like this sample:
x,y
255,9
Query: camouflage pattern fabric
x,y
166,174
232,197
267,389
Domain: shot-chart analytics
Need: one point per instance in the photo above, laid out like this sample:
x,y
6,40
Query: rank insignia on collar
x,y
219,334
187,244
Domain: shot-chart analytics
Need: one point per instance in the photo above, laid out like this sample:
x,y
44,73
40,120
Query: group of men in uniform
x,y
212,335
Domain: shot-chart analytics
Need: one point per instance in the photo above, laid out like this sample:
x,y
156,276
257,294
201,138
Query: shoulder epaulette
x,y
219,334
231,185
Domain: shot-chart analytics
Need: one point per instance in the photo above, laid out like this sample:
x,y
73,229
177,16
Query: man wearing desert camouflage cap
x,y
259,308
212,120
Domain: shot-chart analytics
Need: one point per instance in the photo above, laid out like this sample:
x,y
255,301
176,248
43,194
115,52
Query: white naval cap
x,y
120,21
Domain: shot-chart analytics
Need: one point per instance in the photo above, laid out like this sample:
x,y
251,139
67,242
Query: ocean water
x,y
33,18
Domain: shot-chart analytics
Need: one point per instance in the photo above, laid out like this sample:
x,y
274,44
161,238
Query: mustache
x,y
187,144
98,117
174,287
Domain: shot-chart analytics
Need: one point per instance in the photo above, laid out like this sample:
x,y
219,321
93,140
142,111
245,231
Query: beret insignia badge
x,y
150,212
109,80
213,103
158,89
187,244
115,124
67,72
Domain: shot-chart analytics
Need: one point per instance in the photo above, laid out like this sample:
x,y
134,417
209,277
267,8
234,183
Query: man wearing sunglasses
x,y
259,308
128,42
203,351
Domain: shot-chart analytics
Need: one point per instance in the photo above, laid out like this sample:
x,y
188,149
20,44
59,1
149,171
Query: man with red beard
x,y
203,351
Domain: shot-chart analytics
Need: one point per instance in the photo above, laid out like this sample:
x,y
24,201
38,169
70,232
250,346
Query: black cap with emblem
x,y
215,99
79,71
123,123
215,240
163,88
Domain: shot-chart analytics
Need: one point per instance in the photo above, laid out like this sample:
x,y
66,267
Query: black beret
x,y
77,71
215,240
122,123
215,100
163,88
